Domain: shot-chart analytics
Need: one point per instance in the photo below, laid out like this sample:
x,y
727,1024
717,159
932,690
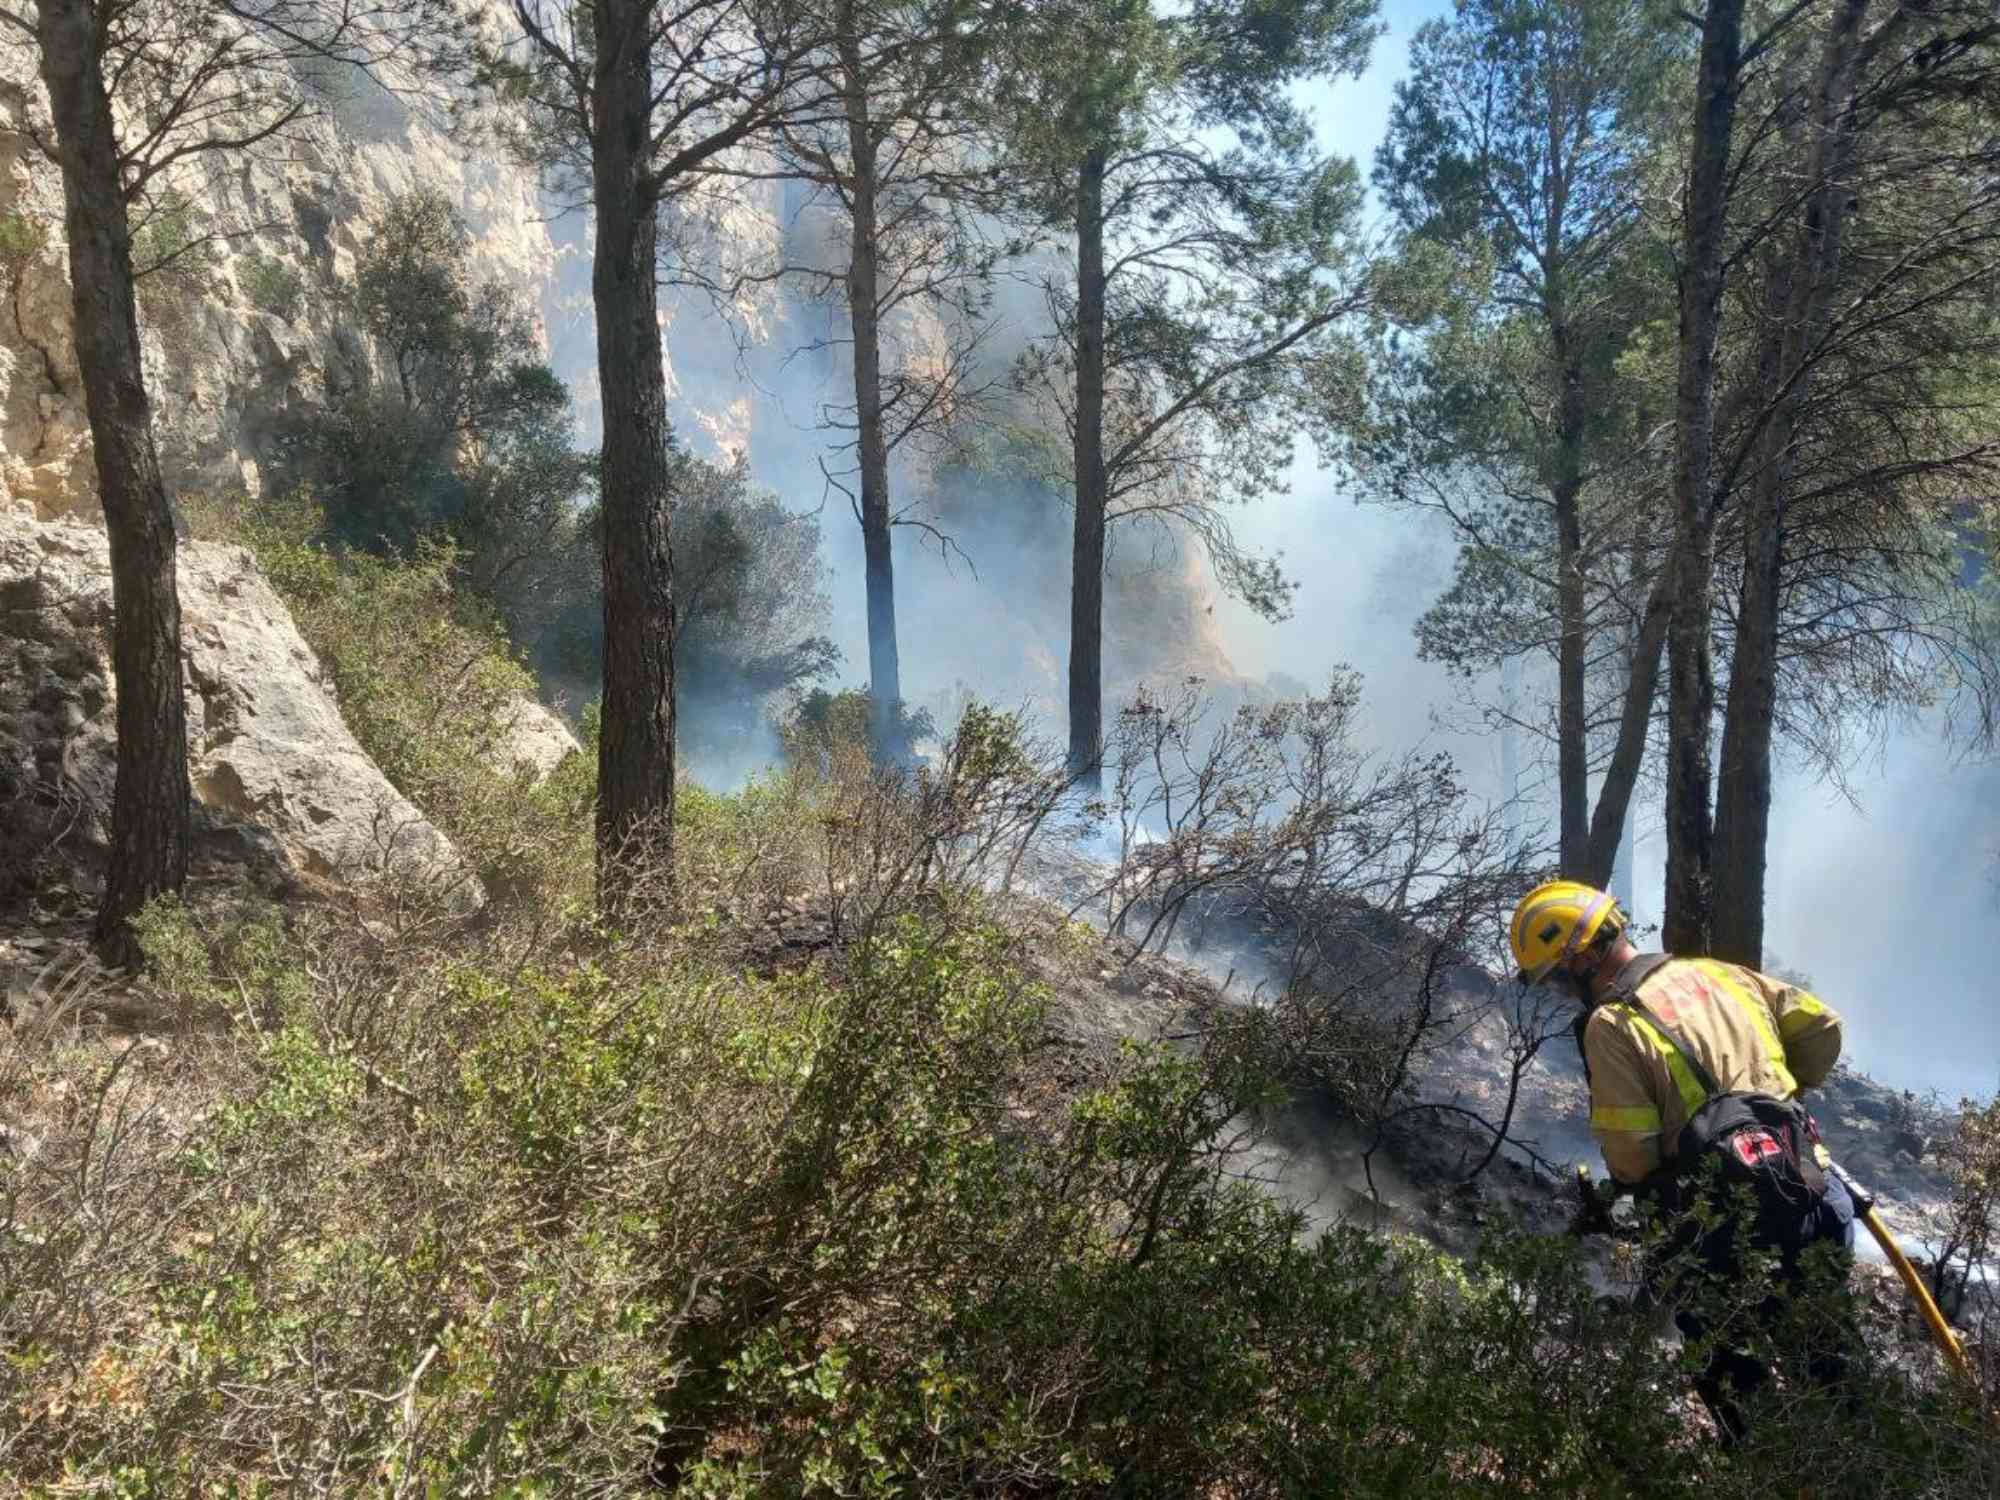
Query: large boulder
x,y
533,740
267,748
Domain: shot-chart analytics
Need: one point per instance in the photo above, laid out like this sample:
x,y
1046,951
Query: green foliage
x,y
426,681
751,610
22,238
411,287
273,285
1511,394
216,968
468,445
1964,1234
1235,247
173,254
819,723
1539,247
464,1224
470,437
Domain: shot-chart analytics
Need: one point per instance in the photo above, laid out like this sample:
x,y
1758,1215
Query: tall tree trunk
x,y
152,807
1572,718
885,678
635,755
1691,679
1635,719
1086,613
1510,750
1796,302
1566,489
1620,880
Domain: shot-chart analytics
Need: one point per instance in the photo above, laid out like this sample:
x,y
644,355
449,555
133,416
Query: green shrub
x,y
438,1226
22,238
819,723
173,256
425,677
553,1217
272,285
744,851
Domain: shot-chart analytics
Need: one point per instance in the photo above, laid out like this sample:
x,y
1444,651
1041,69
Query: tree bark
x,y
1086,616
1797,298
1572,719
635,755
151,813
1691,680
1566,490
885,681
1621,775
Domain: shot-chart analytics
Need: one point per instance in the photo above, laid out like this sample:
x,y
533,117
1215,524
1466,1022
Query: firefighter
x,y
1694,1061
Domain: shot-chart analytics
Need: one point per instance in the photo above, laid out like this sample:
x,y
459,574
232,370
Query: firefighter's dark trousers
x,y
1832,1344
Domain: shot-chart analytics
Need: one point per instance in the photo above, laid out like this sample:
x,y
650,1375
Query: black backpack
x,y
1754,1140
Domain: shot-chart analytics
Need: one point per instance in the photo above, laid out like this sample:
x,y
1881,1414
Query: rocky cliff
x,y
249,316
246,318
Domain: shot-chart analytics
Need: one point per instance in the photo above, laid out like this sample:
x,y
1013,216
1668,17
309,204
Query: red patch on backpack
x,y
1754,1147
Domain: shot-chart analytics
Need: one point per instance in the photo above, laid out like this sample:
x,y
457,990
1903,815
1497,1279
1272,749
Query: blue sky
x,y
1889,906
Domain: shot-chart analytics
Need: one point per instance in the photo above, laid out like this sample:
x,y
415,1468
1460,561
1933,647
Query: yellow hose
x,y
1947,1341
1920,1294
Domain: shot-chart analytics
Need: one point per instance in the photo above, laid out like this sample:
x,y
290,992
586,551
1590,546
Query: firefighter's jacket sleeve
x,y
1750,1032
1623,1113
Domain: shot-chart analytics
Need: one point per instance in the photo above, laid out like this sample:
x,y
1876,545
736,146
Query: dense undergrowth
x,y
415,1223
525,1207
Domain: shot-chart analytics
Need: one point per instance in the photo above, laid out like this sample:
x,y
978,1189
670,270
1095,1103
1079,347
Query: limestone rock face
x,y
266,744
251,318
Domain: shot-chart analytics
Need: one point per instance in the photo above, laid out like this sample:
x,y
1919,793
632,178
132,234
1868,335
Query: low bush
x,y
272,285
173,258
432,1226
579,1214
22,238
819,723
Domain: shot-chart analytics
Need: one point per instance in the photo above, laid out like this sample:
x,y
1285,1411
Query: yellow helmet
x,y
1555,920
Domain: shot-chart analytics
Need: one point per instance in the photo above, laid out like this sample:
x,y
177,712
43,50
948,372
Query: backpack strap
x,y
1634,974
1626,986
1694,1064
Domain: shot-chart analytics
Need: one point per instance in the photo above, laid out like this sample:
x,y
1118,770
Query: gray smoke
x,y
1883,902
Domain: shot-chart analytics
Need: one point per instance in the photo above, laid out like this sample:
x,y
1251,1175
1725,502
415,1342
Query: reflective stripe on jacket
x,y
1753,1033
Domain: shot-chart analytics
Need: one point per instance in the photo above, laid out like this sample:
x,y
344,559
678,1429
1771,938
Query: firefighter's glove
x,y
1594,1200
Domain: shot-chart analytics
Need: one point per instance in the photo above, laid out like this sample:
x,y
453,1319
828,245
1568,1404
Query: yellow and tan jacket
x,y
1753,1033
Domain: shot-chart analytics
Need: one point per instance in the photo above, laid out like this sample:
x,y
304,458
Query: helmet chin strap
x,y
1588,977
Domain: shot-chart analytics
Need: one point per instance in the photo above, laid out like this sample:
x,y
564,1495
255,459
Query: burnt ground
x,y
1419,1177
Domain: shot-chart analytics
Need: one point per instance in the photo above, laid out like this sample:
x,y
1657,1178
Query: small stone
x,y
18,1144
